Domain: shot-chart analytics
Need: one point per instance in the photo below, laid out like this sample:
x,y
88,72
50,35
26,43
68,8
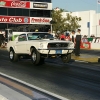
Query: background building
x,y
25,15
90,23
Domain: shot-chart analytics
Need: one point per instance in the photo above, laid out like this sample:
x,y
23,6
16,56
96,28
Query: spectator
x,y
73,36
68,37
73,39
49,31
77,42
2,44
36,30
57,36
84,36
62,36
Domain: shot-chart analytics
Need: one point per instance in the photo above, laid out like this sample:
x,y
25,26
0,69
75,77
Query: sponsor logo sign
x,y
14,19
15,4
85,45
38,20
40,5
2,3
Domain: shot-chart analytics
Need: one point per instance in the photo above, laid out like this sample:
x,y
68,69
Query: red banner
x,y
15,4
14,19
85,45
11,0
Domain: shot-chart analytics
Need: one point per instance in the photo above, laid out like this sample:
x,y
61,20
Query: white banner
x,y
40,20
40,5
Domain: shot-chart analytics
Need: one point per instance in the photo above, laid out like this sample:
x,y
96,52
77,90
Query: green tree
x,y
72,22
64,23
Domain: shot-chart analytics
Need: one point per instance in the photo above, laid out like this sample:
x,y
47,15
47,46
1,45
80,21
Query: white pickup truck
x,y
38,46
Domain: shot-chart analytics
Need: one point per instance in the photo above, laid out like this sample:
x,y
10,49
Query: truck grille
x,y
57,45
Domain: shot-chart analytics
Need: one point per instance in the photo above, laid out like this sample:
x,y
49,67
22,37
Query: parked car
x,y
38,46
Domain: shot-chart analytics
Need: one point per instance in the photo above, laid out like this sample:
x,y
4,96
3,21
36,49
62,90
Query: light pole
x,y
51,23
51,28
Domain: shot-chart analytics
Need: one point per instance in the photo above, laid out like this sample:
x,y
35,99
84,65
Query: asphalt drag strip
x,y
88,61
73,80
29,91
86,56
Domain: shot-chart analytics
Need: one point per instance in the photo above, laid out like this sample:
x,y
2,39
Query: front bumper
x,y
54,51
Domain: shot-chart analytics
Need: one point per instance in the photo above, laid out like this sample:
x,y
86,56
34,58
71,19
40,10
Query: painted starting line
x,y
86,58
48,95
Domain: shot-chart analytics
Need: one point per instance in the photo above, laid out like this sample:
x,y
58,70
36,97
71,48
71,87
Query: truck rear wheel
x,y
66,58
13,56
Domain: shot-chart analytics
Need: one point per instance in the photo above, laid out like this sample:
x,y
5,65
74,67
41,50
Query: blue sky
x,y
77,5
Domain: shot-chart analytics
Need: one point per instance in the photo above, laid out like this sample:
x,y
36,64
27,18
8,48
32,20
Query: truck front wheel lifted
x,y
66,58
35,57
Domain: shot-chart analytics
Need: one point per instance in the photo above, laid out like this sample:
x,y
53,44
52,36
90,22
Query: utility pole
x,y
51,23
51,28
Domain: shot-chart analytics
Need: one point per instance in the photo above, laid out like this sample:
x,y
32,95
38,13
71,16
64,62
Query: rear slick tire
x,y
13,56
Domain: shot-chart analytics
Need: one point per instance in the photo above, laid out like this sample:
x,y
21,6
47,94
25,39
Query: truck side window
x,y
22,37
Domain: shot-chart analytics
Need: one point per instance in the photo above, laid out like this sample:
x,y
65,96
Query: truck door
x,y
21,44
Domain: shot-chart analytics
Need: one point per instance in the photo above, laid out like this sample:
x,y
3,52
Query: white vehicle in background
x,y
38,46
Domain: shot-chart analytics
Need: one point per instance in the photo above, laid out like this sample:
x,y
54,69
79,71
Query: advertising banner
x,y
15,19
40,5
15,4
40,20
86,45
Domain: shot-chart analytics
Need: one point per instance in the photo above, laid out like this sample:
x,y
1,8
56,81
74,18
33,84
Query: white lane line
x,y
34,87
3,98
81,61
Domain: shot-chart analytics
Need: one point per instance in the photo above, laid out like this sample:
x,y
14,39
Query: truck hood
x,y
50,41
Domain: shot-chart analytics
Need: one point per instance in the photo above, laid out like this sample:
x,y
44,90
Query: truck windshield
x,y
39,36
